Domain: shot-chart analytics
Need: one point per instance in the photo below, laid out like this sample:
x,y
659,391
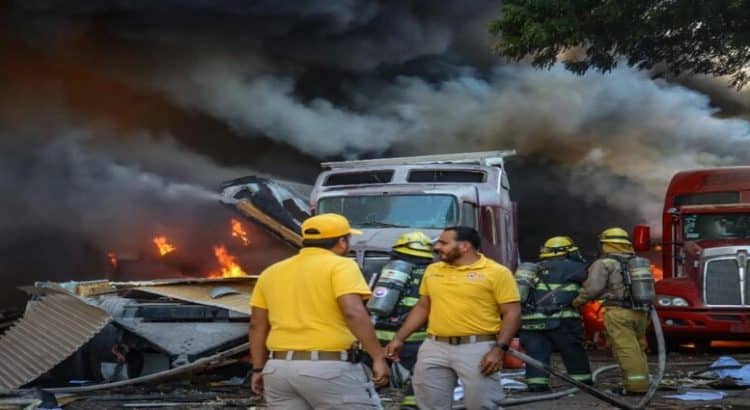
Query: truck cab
x,y
705,294
388,197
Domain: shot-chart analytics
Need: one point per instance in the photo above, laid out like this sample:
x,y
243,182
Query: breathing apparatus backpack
x,y
527,276
393,278
638,280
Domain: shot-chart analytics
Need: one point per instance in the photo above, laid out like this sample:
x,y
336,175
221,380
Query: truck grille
x,y
723,283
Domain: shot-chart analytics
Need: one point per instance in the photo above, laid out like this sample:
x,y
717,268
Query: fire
x,y
228,263
112,259
163,246
239,232
658,273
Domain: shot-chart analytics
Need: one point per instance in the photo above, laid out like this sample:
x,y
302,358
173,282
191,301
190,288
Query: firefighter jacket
x,y
386,327
559,281
605,281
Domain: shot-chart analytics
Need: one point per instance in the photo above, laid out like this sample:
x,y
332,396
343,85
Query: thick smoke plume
x,y
624,124
120,118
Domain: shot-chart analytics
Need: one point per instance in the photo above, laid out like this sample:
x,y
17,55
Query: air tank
x,y
641,281
526,276
391,283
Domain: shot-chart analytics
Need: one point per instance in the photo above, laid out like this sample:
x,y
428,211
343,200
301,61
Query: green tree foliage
x,y
687,36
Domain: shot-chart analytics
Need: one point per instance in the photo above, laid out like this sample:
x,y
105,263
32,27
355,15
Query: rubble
x,y
278,206
79,336
55,325
107,331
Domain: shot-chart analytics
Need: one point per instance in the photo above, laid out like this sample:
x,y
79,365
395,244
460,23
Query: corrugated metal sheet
x,y
51,329
201,293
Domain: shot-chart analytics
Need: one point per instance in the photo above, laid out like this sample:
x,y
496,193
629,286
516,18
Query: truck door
x,y
489,229
497,228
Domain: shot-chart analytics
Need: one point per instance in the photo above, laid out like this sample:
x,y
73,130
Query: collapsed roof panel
x,y
52,328
211,294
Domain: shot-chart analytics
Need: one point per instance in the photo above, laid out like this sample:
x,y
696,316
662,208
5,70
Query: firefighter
x,y
549,320
307,311
416,249
470,304
624,323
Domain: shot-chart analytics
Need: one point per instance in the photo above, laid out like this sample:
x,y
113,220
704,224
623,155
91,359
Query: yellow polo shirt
x,y
464,299
300,294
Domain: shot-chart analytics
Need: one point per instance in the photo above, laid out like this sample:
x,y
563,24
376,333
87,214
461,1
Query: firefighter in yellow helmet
x,y
416,249
549,321
625,324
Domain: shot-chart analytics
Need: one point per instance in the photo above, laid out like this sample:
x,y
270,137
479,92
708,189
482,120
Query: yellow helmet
x,y
557,246
415,244
615,235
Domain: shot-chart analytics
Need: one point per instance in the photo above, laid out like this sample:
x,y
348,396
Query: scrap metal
x,y
53,327
204,292
246,208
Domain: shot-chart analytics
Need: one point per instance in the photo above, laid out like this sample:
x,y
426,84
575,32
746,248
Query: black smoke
x,y
119,119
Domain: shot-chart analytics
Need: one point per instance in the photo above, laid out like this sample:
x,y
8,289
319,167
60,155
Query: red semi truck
x,y
705,293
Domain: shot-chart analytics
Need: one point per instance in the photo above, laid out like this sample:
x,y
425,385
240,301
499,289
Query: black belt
x,y
309,355
459,340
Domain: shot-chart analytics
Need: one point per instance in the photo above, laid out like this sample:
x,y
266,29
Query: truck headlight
x,y
665,300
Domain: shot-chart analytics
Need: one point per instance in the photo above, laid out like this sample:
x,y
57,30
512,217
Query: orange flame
x,y
239,232
228,263
112,259
163,246
658,273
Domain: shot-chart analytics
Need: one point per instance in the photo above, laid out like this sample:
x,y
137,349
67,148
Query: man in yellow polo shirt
x,y
307,311
471,305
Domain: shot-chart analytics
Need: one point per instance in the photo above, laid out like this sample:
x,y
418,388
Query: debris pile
x,y
84,333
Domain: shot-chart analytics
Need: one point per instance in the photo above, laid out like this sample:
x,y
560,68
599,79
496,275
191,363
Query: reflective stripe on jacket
x,y
559,281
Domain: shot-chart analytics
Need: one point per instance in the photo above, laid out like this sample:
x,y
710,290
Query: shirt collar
x,y
311,250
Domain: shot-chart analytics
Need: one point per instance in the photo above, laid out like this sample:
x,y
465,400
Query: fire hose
x,y
662,363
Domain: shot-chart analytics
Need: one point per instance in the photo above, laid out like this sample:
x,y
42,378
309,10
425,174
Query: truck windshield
x,y
429,211
716,226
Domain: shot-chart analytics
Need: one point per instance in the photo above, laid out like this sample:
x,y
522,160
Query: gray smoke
x,y
160,101
632,127
119,200
266,105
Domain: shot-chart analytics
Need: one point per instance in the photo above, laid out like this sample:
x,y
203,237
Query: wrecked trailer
x,y
78,333
110,332
279,206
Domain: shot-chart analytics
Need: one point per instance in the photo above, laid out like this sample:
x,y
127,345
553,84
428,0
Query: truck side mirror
x,y
641,238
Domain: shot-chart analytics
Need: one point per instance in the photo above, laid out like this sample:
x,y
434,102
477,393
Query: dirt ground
x,y
207,392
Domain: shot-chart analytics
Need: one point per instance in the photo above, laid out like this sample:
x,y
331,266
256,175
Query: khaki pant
x,y
438,366
318,384
626,333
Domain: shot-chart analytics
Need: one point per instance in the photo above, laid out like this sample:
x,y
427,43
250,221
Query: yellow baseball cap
x,y
325,226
